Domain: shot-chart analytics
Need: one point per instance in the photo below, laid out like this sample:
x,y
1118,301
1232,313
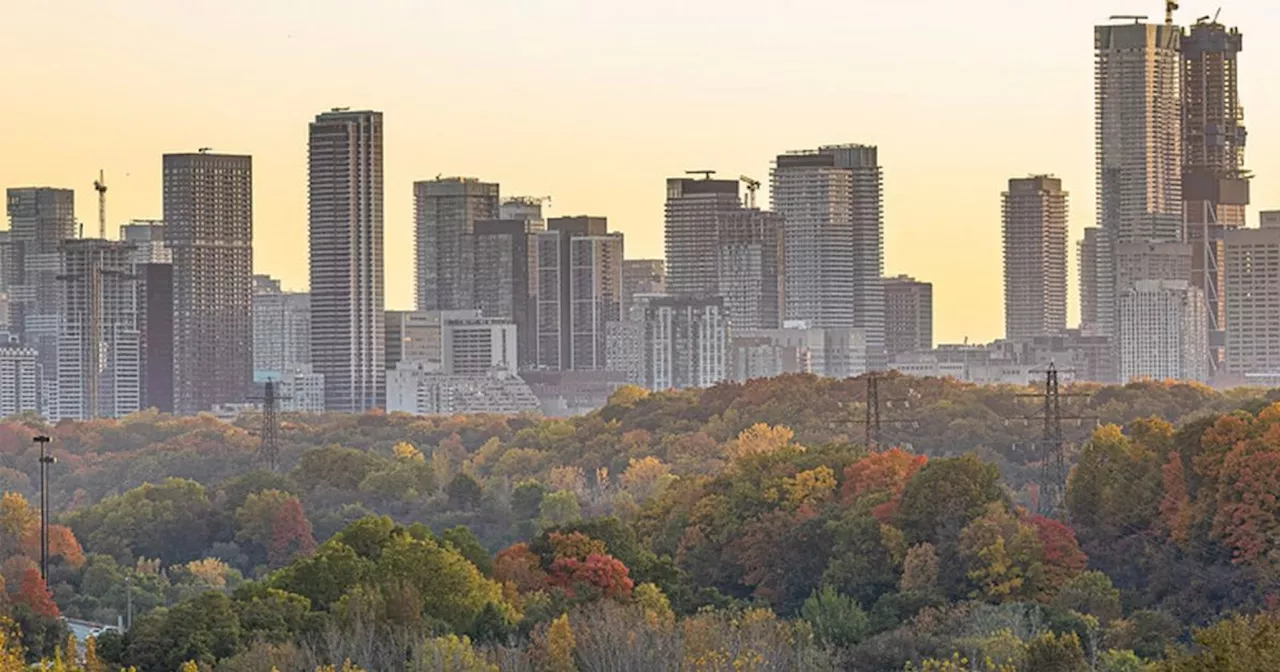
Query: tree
x,y
273,528
336,467
1063,559
526,500
596,576
1239,644
34,594
1003,556
945,496
271,615
646,477
323,578
838,621
1091,593
760,439
883,475
464,541
171,521
557,646
204,629
813,487
1056,653
452,590
559,508
464,492
920,569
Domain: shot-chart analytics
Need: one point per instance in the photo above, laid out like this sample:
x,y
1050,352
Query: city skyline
x,y
1037,106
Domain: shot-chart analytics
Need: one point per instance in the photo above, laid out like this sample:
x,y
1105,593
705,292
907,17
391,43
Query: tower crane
x,y
706,174
753,185
100,186
1170,6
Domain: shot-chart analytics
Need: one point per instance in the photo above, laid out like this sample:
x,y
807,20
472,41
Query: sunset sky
x,y
596,102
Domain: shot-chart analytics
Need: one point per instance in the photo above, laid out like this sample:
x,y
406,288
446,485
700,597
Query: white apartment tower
x,y
831,200
99,353
1162,331
686,343
1035,257
347,290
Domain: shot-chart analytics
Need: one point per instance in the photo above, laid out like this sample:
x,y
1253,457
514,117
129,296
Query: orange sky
x,y
595,102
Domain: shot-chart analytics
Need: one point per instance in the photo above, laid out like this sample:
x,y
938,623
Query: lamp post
x,y
45,461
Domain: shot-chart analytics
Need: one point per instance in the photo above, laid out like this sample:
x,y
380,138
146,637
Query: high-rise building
x,y
686,343
1035,257
445,213
750,267
414,336
1151,261
831,199
579,291
642,276
281,327
1252,300
18,382
208,215
1094,265
1215,187
347,287
502,277
908,315
99,345
1162,331
1138,117
693,211
1269,218
155,324
40,219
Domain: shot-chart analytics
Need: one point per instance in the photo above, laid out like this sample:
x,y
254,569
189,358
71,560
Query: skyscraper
x,y
831,199
445,213
693,211
208,215
40,219
502,277
908,315
99,351
347,291
1035,257
1138,117
579,291
155,323
750,267
18,383
1215,187
1094,266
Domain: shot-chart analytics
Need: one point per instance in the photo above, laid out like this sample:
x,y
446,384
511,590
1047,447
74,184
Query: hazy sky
x,y
596,102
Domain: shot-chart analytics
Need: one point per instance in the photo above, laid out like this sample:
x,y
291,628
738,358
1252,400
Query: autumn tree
x,y
883,475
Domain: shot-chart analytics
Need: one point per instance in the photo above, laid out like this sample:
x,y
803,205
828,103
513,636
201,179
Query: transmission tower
x,y
873,422
269,449
1052,449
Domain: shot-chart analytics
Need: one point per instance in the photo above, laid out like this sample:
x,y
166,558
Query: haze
x,y
595,103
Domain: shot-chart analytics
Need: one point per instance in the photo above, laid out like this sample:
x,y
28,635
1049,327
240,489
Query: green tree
x,y
526,500
945,496
464,492
324,577
336,467
1239,644
559,508
837,619
1091,593
464,541
170,521
452,590
204,629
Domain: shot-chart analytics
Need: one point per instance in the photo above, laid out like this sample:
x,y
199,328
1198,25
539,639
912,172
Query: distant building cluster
x,y
518,312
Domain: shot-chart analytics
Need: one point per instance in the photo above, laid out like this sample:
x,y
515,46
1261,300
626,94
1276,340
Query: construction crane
x,y
1170,6
100,186
706,174
1136,18
204,150
753,185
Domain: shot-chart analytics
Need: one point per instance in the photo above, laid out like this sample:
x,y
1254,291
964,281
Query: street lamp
x,y
45,460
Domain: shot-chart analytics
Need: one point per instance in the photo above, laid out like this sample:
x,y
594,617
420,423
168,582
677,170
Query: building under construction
x,y
1215,186
99,364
